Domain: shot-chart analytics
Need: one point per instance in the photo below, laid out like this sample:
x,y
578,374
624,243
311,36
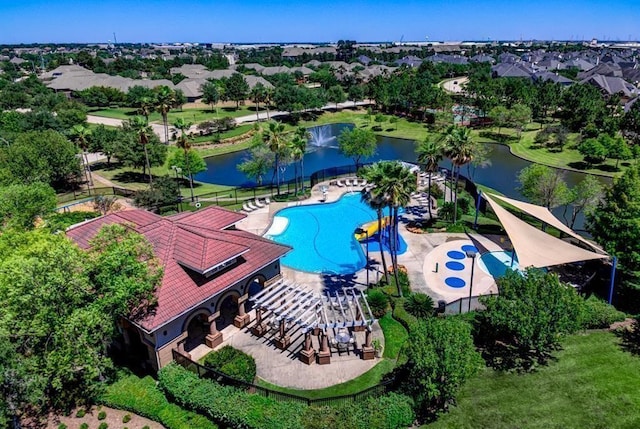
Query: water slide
x,y
371,228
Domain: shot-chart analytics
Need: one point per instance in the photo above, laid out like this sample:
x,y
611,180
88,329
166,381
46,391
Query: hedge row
x,y
597,314
142,396
227,405
402,315
233,362
238,409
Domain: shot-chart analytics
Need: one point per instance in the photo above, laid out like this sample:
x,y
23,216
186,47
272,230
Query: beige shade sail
x,y
536,248
543,214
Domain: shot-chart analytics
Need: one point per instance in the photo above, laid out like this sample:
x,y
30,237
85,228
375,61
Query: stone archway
x,y
253,287
227,309
197,328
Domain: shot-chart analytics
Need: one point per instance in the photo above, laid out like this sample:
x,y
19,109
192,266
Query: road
x,y
158,129
455,85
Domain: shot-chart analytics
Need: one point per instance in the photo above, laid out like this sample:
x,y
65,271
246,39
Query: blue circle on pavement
x,y
456,266
454,254
469,248
455,282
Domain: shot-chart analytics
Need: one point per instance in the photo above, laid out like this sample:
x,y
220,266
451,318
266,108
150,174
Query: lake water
x,y
322,153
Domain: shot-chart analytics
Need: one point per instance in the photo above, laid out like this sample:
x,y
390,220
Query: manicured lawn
x,y
190,115
237,131
395,336
402,129
594,384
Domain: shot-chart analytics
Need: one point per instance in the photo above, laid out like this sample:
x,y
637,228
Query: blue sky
x,y
29,21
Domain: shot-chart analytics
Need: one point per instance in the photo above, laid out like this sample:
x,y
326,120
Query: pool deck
x,y
424,250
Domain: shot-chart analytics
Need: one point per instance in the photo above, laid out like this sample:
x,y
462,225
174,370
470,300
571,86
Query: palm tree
x,y
81,133
258,94
397,185
378,203
165,101
268,96
298,147
183,143
275,138
145,107
142,129
459,148
429,156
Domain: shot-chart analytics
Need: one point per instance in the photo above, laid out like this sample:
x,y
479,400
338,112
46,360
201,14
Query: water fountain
x,y
323,136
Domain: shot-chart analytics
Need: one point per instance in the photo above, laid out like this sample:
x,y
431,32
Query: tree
x,y
582,105
236,88
543,185
81,135
614,223
41,156
165,99
593,150
105,140
336,94
459,148
258,95
584,197
275,139
394,184
260,160
357,143
523,324
519,117
356,93
430,154
21,205
618,149
143,132
183,143
196,164
499,116
210,93
297,150
163,191
441,356
60,308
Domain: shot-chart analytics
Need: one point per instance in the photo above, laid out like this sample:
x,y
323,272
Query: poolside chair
x,y
251,206
267,200
246,208
363,182
258,203
340,183
347,182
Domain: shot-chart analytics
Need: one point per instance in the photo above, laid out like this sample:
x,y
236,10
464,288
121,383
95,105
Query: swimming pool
x,y
497,263
322,235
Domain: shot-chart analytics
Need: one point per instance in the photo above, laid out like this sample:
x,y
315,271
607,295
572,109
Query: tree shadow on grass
x,y
630,338
579,165
131,177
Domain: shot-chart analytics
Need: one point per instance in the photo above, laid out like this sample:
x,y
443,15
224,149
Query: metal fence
x,y
87,194
212,374
464,305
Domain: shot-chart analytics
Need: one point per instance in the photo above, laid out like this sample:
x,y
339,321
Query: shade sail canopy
x,y
536,248
543,214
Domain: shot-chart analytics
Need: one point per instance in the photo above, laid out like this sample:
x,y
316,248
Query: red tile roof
x,y
198,241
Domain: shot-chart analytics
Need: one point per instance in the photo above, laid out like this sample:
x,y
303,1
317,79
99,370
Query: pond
x,y
323,152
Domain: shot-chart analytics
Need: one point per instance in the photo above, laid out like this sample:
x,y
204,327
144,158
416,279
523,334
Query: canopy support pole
x,y
613,278
475,221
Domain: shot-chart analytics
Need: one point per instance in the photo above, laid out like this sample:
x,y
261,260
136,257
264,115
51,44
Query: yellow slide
x,y
371,228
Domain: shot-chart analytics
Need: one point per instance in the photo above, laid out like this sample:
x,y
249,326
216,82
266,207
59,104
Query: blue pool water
x,y
322,236
497,263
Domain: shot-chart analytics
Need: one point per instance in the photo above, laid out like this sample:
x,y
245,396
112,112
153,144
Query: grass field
x,y
593,384
190,115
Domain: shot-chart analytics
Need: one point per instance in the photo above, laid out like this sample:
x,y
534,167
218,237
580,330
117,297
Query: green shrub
x,y
62,426
84,426
598,314
227,405
390,411
378,302
419,305
145,427
446,211
81,413
103,425
142,396
402,315
232,362
102,415
464,205
436,191
126,418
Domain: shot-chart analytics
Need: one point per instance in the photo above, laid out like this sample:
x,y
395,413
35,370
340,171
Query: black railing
x,y
212,374
90,193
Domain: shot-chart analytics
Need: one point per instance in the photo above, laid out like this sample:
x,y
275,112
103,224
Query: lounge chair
x,y
267,200
347,182
251,206
340,183
246,208
363,182
258,203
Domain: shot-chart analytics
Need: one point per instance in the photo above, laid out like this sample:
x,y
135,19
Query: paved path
x,y
454,85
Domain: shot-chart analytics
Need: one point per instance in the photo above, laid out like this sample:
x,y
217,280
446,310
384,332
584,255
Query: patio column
x,y
214,338
368,351
260,328
324,356
242,319
283,340
307,355
181,349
